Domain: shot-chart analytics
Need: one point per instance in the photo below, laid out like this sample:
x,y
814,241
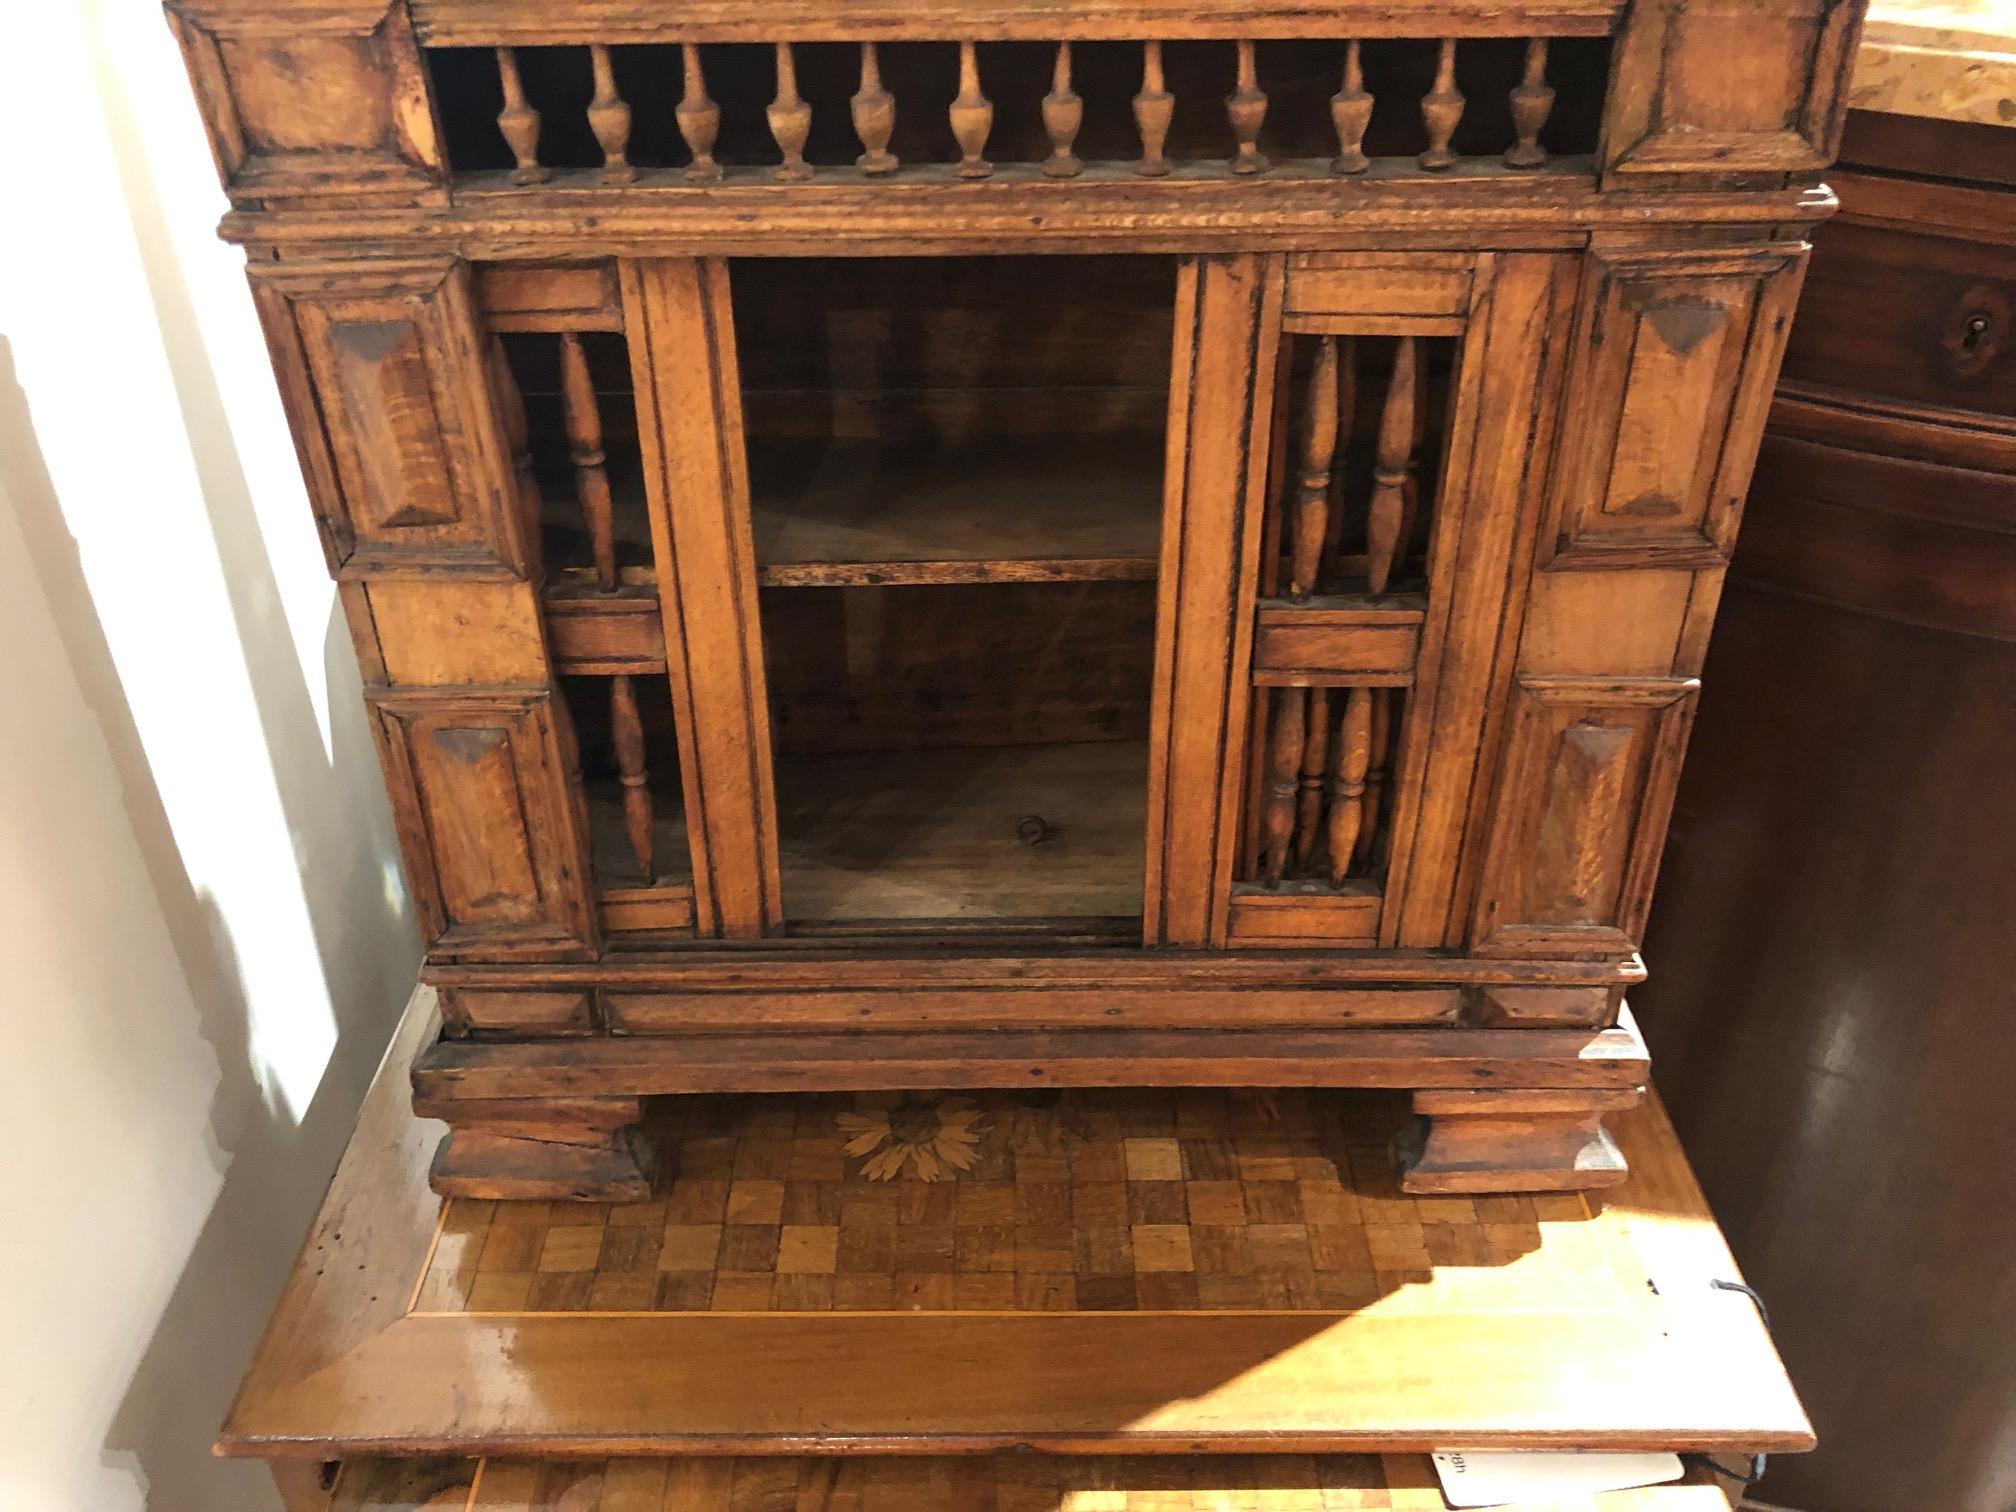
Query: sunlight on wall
x,y
134,455
200,903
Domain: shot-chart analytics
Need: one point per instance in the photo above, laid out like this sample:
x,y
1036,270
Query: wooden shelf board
x,y
1561,1344
931,835
1023,509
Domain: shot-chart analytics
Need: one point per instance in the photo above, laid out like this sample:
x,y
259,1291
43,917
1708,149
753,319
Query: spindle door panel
x,y
1398,438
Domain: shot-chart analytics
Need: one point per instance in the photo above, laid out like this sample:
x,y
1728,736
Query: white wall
x,y
203,932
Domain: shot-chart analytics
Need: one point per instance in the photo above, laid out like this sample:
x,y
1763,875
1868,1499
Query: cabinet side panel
x,y
385,390
491,834
1586,788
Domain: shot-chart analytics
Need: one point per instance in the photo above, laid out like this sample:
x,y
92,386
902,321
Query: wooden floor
x,y
1017,1483
1083,1200
933,834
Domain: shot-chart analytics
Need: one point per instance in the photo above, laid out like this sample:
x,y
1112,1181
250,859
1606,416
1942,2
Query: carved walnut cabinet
x,y
919,543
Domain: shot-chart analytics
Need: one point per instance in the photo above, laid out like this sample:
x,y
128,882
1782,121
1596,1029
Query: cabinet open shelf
x,y
1003,833
999,509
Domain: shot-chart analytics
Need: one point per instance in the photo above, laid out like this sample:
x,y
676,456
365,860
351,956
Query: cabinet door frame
x,y
680,327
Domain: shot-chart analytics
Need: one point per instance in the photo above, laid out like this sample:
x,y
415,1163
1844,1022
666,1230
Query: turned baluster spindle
x,y
1284,783
1532,103
1319,458
1386,512
1246,108
609,119
518,121
627,731
1351,113
1347,419
1380,742
1154,109
1063,114
699,118
1441,109
874,112
517,438
1347,782
1315,767
591,465
972,117
1410,490
790,119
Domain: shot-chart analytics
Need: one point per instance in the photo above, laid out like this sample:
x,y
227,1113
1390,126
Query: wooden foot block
x,y
1512,1141
582,1149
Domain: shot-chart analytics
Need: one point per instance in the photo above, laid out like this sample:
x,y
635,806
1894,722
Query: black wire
x,y
1759,1463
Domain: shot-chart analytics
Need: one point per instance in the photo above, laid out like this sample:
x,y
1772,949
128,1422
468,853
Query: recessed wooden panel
x,y
1305,917
393,419
1731,87
1316,645
1581,812
313,101
523,1012
1677,352
549,296
492,837
1359,288
604,634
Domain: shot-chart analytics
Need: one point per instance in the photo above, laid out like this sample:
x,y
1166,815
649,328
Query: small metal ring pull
x,y
1033,829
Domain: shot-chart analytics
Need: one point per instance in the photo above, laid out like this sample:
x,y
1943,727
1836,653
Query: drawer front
x,y
1913,318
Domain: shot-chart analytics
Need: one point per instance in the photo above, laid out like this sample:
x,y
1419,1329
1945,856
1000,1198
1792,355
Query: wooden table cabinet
x,y
979,544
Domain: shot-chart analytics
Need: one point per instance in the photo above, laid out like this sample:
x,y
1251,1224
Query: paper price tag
x,y
1494,1477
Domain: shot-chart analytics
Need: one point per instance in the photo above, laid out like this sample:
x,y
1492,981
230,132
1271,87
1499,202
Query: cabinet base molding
x,y
1504,1110
1518,1141
561,1149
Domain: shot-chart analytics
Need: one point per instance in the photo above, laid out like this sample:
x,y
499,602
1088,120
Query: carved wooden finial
x,y
609,119
1154,108
699,118
972,117
1319,453
1441,109
1246,107
790,119
1532,103
874,111
518,121
1063,114
1351,113
1385,514
591,470
1284,767
626,729
1347,783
